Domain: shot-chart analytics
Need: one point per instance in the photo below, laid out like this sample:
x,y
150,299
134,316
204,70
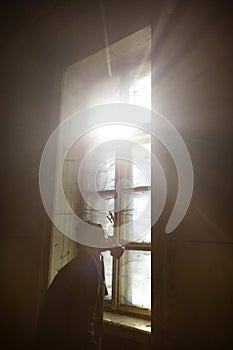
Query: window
x,y
87,83
129,279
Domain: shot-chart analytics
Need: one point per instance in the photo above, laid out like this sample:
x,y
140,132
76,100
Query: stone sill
x,y
128,322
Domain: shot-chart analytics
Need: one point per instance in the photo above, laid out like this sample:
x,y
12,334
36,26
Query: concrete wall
x,y
28,116
193,89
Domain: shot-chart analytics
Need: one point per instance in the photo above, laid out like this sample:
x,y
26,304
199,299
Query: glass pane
x,y
140,200
135,278
138,213
108,272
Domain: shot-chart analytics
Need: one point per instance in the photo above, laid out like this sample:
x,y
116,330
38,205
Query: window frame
x,y
114,304
68,251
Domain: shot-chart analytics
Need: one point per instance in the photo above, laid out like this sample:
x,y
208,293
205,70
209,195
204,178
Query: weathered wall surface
x,y
192,87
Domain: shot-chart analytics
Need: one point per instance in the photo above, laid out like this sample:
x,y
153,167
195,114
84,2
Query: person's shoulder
x,y
77,269
72,265
67,273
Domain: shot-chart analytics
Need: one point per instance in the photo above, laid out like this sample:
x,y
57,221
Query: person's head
x,y
82,248
116,251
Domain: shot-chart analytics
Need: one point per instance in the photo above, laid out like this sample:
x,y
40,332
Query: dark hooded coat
x,y
72,313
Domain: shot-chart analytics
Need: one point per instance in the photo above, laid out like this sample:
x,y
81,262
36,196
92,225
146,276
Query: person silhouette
x,y
71,316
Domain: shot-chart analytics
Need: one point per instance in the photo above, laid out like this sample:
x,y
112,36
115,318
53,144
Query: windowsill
x,y
128,322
